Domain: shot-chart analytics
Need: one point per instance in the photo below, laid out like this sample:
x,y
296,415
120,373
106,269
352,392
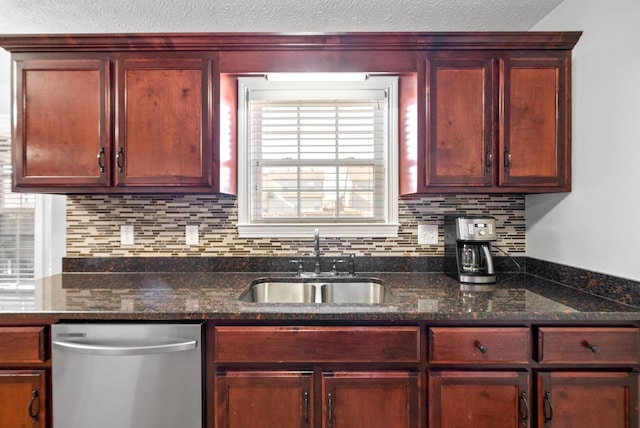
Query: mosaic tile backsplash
x,y
93,227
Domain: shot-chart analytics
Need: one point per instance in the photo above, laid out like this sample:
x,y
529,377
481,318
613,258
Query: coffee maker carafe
x,y
467,242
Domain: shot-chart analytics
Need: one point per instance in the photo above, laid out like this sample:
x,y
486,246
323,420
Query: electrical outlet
x,y
191,233
126,235
428,234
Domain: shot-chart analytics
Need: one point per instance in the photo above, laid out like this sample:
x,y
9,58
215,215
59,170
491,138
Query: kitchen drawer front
x,y
482,345
317,344
22,345
589,345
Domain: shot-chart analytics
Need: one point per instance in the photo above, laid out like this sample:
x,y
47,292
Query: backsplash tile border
x,y
93,227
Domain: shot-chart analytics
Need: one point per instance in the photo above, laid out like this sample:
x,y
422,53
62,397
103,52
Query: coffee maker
x,y
467,248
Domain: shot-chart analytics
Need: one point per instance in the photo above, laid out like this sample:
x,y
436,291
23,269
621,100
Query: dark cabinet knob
x,y
594,348
101,160
547,408
523,408
34,406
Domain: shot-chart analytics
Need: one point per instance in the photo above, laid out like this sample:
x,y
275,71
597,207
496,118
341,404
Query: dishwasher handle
x,y
114,348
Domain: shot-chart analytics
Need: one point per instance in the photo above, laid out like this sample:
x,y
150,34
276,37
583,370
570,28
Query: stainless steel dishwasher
x,y
111,375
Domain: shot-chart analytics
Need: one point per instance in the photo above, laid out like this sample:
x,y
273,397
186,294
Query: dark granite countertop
x,y
214,295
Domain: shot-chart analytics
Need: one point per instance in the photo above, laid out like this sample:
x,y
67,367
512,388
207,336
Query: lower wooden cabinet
x,y
288,399
23,377
587,399
381,399
23,398
264,399
426,376
479,399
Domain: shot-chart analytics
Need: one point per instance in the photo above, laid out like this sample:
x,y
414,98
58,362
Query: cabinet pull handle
x,y
329,410
101,159
34,406
489,161
120,159
305,407
594,348
523,408
483,348
507,160
547,408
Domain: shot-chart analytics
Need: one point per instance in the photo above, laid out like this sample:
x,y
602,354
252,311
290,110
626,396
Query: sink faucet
x,y
316,251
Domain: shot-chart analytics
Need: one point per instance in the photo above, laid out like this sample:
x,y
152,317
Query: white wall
x,y
596,226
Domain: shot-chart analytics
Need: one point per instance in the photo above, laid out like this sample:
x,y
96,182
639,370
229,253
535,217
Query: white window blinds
x,y
16,236
317,160
317,154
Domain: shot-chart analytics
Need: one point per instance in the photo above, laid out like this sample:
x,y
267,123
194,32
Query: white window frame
x,y
311,90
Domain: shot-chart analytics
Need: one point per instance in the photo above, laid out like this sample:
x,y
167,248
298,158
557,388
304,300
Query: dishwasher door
x,y
127,375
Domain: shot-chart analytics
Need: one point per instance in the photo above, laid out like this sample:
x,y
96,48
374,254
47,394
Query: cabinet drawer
x,y
317,344
586,345
484,345
22,345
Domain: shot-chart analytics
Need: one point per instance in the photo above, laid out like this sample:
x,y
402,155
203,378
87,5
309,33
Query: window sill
x,y
296,230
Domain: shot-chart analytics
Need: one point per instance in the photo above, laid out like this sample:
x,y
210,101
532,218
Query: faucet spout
x,y
316,251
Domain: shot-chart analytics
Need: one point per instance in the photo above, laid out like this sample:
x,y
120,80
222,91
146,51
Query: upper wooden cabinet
x,y
117,123
497,121
460,149
144,113
164,122
534,121
62,135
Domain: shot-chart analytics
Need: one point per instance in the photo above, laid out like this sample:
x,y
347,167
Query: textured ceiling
x,y
91,16
140,16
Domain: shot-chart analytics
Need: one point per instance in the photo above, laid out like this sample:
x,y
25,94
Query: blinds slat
x,y
16,231
318,159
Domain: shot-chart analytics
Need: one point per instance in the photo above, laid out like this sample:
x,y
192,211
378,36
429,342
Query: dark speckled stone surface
x,y
418,296
611,287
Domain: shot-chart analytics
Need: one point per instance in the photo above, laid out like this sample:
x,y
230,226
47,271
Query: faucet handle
x,y
300,269
334,269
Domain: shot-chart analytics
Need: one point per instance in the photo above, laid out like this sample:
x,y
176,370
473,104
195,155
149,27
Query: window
x,y
32,235
317,154
16,237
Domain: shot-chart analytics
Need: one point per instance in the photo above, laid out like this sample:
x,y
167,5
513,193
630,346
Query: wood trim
x,y
267,41
317,344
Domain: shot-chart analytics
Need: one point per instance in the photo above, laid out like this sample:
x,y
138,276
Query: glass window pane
x,y
318,158
16,235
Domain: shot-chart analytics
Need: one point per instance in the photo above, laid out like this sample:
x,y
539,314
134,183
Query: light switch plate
x,y
428,234
126,235
191,233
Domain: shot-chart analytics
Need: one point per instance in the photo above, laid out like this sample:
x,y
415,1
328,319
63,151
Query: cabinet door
x,y
370,400
23,398
479,399
460,116
62,133
587,399
535,121
164,117
264,399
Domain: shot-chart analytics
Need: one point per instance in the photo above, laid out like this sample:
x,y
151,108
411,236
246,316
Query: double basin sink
x,y
331,290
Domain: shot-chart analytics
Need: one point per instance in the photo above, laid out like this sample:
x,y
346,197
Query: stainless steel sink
x,y
368,292
271,291
332,290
